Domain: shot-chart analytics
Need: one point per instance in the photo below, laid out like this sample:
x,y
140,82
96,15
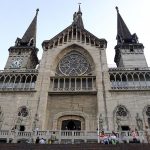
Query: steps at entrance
x,y
94,146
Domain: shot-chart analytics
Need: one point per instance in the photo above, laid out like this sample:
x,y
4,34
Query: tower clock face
x,y
16,63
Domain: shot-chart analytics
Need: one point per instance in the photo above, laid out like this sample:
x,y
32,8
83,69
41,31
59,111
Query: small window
x,y
23,111
125,128
121,112
148,112
19,53
131,50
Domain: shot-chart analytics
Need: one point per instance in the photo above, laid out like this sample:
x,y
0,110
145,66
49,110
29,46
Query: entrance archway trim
x,y
76,113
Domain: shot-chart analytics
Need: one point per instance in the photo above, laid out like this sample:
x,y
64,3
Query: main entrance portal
x,y
71,125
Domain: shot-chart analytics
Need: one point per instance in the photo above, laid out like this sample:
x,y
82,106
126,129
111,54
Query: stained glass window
x,y
74,64
23,111
121,111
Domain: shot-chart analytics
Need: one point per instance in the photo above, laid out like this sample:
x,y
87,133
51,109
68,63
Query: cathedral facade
x,y
71,87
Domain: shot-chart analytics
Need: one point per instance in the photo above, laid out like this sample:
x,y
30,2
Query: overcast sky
x,y
99,17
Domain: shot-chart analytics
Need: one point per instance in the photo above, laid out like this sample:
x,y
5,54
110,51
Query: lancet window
x,y
129,79
17,80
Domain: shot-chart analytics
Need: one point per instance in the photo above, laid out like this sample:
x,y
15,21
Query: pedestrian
x,y
104,138
113,138
37,140
42,141
134,136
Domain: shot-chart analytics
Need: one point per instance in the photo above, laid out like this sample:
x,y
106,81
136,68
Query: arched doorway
x,y
71,122
71,125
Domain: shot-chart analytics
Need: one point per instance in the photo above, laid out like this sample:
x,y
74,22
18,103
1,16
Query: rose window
x,y
23,111
121,112
73,64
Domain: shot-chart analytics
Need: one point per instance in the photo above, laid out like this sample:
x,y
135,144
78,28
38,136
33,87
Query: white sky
x,y
99,17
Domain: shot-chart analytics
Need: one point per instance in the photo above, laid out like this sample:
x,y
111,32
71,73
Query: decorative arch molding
x,y
71,118
23,118
121,111
121,116
18,81
71,113
129,79
23,111
68,49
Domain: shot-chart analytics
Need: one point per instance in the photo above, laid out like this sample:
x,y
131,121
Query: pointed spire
x,y
79,10
77,18
123,33
29,36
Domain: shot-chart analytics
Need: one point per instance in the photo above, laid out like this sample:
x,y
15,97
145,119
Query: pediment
x,y
72,33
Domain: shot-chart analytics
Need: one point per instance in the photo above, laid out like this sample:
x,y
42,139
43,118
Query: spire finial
x,y
37,10
79,7
117,9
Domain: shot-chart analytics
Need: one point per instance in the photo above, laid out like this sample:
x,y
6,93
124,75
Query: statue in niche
x,y
75,17
139,122
18,42
1,118
101,121
19,122
35,122
118,122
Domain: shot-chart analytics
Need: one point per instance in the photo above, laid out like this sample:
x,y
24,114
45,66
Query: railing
x,y
72,133
24,134
19,86
16,80
127,136
19,71
4,133
130,85
59,136
73,84
130,69
129,78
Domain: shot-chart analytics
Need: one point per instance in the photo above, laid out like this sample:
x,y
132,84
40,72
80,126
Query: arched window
x,y
23,111
121,111
121,118
74,64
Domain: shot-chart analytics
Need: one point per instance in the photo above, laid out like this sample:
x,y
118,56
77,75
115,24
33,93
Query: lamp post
x,y
98,140
100,126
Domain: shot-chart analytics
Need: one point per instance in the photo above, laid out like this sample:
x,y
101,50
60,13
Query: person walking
x,y
42,141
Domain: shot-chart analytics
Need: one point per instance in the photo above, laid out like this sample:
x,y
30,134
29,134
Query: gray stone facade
x,y
73,88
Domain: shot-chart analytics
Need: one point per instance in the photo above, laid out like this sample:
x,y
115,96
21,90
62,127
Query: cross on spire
x,y
79,11
79,6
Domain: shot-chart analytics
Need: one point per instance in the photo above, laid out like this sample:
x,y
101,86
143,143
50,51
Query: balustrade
x,y
67,134
18,79
24,134
74,84
130,78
